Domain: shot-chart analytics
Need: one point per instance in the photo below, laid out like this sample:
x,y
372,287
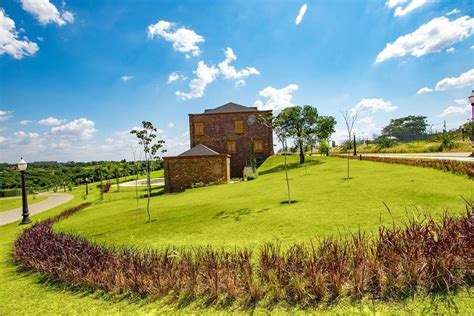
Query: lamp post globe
x,y
87,187
471,100
22,165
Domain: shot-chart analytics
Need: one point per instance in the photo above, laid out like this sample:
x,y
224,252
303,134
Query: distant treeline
x,y
52,175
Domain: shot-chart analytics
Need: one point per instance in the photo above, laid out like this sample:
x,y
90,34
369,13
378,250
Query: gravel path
x,y
443,156
53,200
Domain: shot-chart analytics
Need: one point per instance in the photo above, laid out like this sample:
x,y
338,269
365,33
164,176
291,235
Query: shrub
x,y
429,255
385,142
447,140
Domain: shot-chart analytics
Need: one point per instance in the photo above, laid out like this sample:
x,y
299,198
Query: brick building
x,y
230,129
199,164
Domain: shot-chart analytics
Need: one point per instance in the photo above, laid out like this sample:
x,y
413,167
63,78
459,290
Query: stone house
x,y
230,129
199,164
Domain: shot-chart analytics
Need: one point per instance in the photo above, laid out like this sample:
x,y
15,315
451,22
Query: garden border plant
x,y
454,166
423,256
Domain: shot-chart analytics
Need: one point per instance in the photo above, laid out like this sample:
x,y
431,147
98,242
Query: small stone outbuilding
x,y
199,164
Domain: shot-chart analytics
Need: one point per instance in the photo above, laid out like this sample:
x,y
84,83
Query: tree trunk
x,y
300,144
149,188
286,171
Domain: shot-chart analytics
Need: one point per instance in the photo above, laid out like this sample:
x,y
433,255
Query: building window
x,y
239,127
231,147
199,129
258,145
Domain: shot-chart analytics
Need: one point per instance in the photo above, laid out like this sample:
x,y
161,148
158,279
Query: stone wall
x,y
219,128
182,172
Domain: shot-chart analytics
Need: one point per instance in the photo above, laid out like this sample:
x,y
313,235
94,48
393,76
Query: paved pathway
x,y
142,182
53,200
443,156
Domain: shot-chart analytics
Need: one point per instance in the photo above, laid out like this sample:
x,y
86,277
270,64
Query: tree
x,y
299,122
406,128
151,148
281,128
324,129
350,118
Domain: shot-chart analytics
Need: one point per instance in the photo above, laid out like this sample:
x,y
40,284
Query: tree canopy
x,y
406,128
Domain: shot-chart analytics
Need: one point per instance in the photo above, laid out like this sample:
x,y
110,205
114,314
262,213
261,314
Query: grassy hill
x,y
250,213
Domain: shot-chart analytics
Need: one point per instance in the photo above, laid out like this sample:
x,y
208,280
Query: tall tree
x,y
406,128
147,137
325,128
299,122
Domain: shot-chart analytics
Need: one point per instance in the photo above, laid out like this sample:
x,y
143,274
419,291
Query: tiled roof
x,y
199,150
231,108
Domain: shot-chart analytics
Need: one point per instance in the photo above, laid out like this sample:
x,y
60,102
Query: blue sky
x,y
75,76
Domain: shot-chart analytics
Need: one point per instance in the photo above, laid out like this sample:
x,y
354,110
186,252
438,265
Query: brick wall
x,y
182,172
219,128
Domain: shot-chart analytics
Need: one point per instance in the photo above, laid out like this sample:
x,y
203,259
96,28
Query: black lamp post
x,y
26,215
355,145
471,100
87,187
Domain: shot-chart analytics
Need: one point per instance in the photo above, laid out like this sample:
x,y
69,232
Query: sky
x,y
77,76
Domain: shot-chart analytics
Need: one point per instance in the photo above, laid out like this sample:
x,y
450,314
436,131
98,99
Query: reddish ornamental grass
x,y
428,256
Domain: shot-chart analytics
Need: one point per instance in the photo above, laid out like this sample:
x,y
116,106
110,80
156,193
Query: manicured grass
x,y
27,293
250,213
10,203
412,147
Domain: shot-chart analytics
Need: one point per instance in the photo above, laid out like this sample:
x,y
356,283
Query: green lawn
x,y
27,293
250,213
11,203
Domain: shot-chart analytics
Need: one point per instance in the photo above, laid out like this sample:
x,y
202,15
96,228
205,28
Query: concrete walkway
x,y
441,156
142,182
53,200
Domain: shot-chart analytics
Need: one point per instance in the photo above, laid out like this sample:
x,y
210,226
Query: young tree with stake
x,y
350,118
147,137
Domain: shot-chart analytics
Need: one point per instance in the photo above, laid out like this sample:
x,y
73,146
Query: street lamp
x,y
87,188
26,215
355,145
471,100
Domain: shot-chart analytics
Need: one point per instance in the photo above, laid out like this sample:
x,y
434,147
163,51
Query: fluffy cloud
x,y
464,80
373,105
207,74
454,11
183,39
437,34
170,125
25,122
9,42
204,76
229,71
300,16
50,121
126,78
45,12
450,50
277,99
174,76
79,129
5,115
463,107
2,139
403,7
424,90
366,120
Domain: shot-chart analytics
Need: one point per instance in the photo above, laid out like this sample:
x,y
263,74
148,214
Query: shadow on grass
x,y
293,165
154,192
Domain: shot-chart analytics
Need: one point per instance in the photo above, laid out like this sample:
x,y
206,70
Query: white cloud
x,y
366,120
204,76
126,78
464,80
24,137
170,125
25,122
9,42
3,129
437,34
454,11
5,115
373,105
79,129
2,139
450,50
229,71
463,107
424,90
45,12
404,7
300,16
174,76
277,99
50,121
183,39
